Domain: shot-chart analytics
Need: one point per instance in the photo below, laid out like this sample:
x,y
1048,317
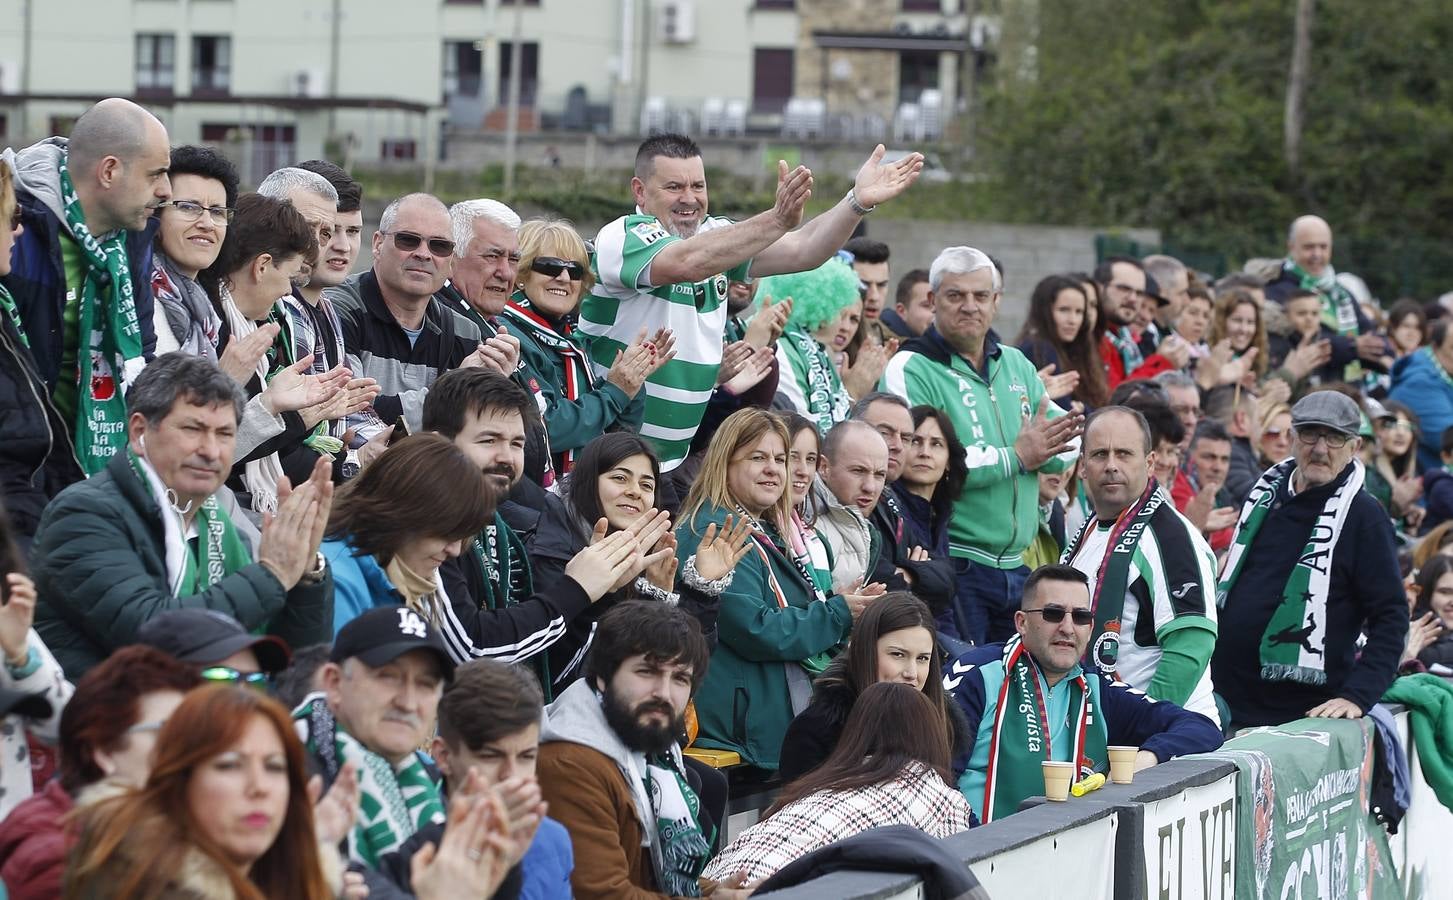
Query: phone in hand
x,y
401,431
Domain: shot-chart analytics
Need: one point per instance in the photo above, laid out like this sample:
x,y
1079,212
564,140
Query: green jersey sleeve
x,y
624,253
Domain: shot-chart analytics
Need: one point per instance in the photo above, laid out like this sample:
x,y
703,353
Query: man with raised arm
x,y
668,265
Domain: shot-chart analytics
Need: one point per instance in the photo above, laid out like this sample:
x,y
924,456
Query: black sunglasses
x,y
408,242
1056,614
551,267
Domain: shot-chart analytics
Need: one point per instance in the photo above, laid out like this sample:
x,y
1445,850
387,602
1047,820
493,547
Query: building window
x,y
922,6
211,65
156,64
772,73
776,4
917,72
405,149
523,2
529,72
256,149
463,69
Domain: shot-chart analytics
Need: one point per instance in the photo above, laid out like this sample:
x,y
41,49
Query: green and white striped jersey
x,y
622,304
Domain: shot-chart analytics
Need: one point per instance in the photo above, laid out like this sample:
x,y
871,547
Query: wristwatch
x,y
858,208
315,574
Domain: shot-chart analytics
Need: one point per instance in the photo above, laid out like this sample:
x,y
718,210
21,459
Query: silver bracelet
x,y
649,591
692,579
858,208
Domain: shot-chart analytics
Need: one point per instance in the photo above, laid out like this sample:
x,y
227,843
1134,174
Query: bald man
x,y
1355,344
394,329
79,268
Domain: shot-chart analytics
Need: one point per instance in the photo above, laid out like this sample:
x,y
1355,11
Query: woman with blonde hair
x,y
225,813
773,632
555,276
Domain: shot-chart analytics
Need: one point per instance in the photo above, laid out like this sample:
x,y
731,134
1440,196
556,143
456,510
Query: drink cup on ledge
x,y
1122,764
1057,778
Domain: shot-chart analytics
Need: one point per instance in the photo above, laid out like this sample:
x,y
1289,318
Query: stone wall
x,y
853,82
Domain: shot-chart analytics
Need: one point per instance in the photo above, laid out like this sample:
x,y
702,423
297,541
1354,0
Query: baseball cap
x,y
206,636
1152,288
1329,409
382,635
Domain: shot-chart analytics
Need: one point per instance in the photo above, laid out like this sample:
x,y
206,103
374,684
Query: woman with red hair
x,y
224,813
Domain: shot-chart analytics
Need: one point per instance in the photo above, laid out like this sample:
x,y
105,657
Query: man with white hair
x,y
1011,431
1308,267
486,261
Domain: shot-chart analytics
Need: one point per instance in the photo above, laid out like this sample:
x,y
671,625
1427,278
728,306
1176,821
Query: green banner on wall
x,y
1303,830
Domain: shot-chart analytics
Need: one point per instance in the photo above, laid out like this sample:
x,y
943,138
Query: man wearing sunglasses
x,y
1312,567
1152,576
395,330
1028,701
668,266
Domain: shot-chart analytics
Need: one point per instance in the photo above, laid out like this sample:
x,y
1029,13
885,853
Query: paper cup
x,y
1057,778
1122,764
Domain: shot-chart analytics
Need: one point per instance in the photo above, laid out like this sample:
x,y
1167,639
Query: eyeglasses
x,y
1400,424
1119,288
551,267
227,675
1055,614
408,242
191,211
1274,432
1336,440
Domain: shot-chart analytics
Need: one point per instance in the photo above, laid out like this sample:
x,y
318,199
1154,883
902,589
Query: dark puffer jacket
x,y
100,571
37,459
815,732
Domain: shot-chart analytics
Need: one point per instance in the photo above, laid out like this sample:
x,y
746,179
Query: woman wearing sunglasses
x,y
554,276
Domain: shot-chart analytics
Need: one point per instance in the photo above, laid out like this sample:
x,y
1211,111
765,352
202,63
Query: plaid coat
x,y
918,797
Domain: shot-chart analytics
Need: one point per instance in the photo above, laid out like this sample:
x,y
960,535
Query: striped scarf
x,y
395,800
578,378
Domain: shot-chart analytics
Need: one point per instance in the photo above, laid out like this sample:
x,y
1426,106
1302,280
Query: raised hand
x,y
287,549
878,182
16,617
524,809
335,812
721,549
861,378
1308,357
794,188
1425,630
1042,438
632,365
734,357
472,858
292,389
858,596
767,325
1221,517
662,572
1061,385
759,366
608,561
1176,350
242,355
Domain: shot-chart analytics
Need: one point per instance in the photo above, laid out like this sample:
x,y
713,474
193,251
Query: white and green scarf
x,y
683,847
110,356
826,401
1339,308
220,552
1292,646
395,800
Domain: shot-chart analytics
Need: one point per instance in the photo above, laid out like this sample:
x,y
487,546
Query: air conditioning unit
x,y
676,21
309,83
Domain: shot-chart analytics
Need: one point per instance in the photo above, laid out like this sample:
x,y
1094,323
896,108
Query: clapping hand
x,y
662,572
734,357
16,617
794,189
474,855
1061,385
860,378
858,596
1425,630
758,366
291,389
335,812
242,355
1042,438
767,325
721,549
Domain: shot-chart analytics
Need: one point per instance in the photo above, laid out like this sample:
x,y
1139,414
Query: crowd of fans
x,y
480,571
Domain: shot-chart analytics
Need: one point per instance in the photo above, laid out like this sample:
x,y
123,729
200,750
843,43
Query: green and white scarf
x,y
220,552
826,400
111,355
1292,647
681,846
1020,740
8,308
573,361
395,800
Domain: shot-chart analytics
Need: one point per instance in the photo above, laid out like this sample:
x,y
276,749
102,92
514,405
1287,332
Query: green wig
x,y
818,295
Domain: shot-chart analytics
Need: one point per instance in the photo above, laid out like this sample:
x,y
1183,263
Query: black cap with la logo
x,y
382,635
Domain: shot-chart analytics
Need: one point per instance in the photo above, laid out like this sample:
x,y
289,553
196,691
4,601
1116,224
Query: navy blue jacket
x,y
1365,597
37,281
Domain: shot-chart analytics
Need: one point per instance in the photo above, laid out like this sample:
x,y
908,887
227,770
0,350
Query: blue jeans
x,y
985,601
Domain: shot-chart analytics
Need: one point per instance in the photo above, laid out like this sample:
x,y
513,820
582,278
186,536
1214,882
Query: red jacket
x,y
1182,493
34,845
1115,367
